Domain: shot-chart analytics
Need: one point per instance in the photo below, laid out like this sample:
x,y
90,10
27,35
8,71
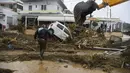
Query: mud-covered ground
x,y
26,49
84,58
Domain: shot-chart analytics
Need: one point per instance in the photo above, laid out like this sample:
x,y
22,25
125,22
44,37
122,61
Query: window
x,y
43,7
30,7
19,6
60,26
66,31
2,5
9,21
11,6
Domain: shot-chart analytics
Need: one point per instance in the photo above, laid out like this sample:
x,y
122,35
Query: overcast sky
x,y
121,11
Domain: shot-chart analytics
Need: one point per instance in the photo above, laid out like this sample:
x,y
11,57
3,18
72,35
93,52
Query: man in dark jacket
x,y
0,29
41,35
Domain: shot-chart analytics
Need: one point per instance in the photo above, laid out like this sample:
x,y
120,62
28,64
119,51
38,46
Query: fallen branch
x,y
31,48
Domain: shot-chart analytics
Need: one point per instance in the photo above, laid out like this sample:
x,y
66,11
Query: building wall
x,y
2,20
10,16
50,5
60,8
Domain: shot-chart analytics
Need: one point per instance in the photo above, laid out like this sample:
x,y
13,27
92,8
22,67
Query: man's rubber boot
x,y
41,56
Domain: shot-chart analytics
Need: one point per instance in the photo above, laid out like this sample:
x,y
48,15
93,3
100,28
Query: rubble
x,y
20,41
90,39
66,66
61,52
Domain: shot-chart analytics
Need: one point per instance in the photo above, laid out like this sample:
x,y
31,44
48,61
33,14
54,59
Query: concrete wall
x,y
51,5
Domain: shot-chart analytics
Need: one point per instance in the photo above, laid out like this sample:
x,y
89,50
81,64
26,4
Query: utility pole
x,y
107,11
110,21
110,12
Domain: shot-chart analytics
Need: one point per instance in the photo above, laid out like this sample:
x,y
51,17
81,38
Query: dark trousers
x,y
42,44
1,33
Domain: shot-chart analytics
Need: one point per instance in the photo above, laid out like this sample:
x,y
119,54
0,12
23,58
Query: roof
x,y
105,19
56,18
10,1
61,17
62,4
30,0
7,1
18,1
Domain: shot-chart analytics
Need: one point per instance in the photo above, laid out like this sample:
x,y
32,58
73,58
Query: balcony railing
x,y
2,9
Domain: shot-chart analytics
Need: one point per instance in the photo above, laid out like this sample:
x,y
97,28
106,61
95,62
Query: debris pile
x,y
126,56
90,38
19,41
86,39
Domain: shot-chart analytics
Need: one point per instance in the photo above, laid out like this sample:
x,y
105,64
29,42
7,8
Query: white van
x,y
60,30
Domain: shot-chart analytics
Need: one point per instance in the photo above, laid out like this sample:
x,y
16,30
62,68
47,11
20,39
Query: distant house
x,y
44,6
33,9
9,10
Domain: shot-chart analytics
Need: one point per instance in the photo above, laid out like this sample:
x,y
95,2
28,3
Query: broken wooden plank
x,y
107,49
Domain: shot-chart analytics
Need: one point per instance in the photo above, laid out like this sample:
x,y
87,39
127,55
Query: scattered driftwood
x,y
31,48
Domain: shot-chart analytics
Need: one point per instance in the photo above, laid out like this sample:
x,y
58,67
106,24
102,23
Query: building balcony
x,y
41,12
1,13
1,9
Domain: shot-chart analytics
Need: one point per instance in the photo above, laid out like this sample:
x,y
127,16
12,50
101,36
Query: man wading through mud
x,y
42,35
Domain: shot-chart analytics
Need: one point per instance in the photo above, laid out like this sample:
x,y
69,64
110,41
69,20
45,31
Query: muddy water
x,y
51,67
46,67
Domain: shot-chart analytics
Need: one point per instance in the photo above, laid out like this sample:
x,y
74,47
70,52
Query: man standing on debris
x,y
42,35
0,27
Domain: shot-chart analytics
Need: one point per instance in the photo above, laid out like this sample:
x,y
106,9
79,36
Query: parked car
x,y
60,30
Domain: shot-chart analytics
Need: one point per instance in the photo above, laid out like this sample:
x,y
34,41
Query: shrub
x,y
72,27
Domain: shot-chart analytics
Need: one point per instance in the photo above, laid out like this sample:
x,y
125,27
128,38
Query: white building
x,y
43,5
33,9
9,10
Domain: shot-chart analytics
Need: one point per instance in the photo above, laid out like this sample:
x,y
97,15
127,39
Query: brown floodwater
x,y
50,67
